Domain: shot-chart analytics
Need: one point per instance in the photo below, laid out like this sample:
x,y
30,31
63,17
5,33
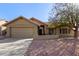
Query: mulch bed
x,y
54,47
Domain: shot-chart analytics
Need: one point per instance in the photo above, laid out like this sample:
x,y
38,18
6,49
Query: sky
x,y
11,11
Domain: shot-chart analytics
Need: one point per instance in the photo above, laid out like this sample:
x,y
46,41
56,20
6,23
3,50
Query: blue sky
x,y
10,11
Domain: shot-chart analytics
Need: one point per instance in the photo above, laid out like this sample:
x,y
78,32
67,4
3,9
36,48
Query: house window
x,y
51,31
63,31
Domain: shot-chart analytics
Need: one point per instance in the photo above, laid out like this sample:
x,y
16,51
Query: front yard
x,y
39,47
14,47
54,47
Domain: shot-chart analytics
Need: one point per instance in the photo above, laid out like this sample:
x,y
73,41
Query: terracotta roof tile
x,y
36,21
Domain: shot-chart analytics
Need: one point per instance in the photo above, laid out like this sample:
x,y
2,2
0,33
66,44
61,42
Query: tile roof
x,y
20,17
36,21
32,20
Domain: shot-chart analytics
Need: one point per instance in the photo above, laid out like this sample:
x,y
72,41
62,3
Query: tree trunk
x,y
76,38
76,33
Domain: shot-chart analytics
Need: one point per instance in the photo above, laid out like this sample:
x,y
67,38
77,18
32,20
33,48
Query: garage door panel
x,y
22,32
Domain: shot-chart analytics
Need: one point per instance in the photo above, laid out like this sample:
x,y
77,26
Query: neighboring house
x,y
2,28
22,27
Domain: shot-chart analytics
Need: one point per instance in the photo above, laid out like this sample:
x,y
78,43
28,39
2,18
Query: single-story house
x,y
22,27
2,28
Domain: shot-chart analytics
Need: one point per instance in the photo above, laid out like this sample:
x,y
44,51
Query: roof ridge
x,y
18,18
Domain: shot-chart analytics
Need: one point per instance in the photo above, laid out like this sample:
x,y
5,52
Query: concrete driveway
x,y
14,47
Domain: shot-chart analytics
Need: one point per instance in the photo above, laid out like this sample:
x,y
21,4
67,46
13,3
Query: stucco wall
x,y
2,28
57,32
46,30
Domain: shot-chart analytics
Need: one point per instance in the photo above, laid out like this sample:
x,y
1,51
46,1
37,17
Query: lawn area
x,y
14,47
53,47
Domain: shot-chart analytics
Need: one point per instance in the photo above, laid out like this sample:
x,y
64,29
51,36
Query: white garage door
x,y
22,32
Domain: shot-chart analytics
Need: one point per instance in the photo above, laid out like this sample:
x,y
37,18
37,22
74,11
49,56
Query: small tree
x,y
65,14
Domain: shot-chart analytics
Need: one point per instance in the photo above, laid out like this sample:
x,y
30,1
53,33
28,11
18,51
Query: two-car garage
x,y
21,28
21,32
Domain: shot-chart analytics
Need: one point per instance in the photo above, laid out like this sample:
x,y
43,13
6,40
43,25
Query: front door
x,y
40,31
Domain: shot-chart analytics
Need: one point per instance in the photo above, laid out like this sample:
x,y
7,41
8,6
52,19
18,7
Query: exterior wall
x,y
8,32
72,33
46,30
21,23
2,28
57,32
0,31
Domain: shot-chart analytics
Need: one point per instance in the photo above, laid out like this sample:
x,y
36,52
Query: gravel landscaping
x,y
14,47
54,47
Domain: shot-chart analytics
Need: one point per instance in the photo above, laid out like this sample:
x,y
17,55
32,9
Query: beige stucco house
x,y
22,27
2,28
